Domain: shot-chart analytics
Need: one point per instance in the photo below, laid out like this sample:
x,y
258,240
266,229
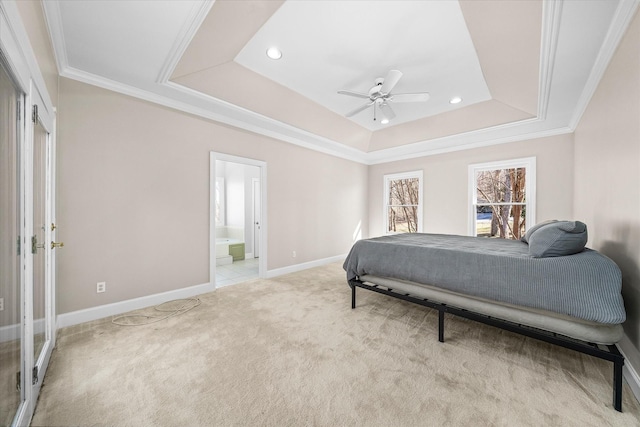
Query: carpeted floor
x,y
290,351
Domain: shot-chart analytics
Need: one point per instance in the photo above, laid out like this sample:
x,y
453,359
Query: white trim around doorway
x,y
262,250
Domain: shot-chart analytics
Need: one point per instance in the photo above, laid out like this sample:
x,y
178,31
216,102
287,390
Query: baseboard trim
x,y
107,310
14,332
305,265
102,311
10,332
629,371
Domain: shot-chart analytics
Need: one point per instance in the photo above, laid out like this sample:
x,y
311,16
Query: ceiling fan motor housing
x,y
376,89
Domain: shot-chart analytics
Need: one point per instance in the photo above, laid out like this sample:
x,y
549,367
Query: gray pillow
x,y
559,238
539,225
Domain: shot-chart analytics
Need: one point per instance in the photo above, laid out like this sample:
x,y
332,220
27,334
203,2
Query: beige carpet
x,y
9,395
290,352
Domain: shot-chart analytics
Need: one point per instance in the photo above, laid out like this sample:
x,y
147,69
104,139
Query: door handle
x,y
57,245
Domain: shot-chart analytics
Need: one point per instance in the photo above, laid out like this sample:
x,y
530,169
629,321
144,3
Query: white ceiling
x,y
427,41
133,47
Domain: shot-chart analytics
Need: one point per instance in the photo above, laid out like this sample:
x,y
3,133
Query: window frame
x,y
387,178
528,163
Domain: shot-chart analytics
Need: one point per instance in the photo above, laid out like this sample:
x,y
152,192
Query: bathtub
x,y
222,250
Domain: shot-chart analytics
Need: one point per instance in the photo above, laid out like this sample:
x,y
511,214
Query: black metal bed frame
x,y
611,353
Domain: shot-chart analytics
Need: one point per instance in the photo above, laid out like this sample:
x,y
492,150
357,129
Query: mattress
x,y
542,319
584,286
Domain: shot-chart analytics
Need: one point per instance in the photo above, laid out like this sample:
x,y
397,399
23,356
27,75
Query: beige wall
x,y
607,172
33,19
446,203
133,201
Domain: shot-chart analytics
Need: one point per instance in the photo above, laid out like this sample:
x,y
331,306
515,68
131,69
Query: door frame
x,y
23,66
262,261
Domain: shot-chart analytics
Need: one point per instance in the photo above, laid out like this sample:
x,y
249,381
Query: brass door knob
x,y
57,245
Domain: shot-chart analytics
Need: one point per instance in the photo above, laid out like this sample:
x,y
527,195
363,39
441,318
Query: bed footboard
x,y
608,352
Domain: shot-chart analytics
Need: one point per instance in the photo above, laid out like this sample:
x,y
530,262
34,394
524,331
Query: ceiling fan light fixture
x,y
274,53
380,97
455,100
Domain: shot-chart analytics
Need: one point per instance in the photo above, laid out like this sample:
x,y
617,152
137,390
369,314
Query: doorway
x,y
238,198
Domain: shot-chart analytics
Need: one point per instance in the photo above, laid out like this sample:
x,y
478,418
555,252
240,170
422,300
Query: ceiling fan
x,y
380,95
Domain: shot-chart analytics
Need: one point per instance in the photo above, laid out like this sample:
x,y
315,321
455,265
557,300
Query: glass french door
x,y
27,250
12,395
41,251
27,217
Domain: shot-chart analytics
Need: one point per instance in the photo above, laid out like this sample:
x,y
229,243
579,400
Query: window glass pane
x,y
501,185
10,289
403,206
404,191
39,239
499,221
403,219
499,194
220,221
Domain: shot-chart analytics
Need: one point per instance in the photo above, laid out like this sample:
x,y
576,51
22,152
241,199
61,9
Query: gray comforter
x,y
586,285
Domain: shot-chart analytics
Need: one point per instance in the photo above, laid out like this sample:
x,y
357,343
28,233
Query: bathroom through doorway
x,y
238,251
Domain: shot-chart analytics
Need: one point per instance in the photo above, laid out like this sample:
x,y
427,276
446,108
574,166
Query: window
x,y
403,202
220,199
502,198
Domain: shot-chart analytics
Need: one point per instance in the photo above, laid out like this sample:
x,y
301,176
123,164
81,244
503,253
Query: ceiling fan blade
x,y
351,93
360,108
410,97
387,111
390,81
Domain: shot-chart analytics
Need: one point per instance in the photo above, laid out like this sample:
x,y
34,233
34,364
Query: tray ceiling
x,y
523,68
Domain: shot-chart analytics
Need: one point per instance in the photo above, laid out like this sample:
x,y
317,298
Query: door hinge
x,y
34,378
34,115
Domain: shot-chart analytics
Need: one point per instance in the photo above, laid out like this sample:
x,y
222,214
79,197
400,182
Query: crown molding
x,y
496,135
53,19
266,126
190,101
197,15
618,28
551,13
172,95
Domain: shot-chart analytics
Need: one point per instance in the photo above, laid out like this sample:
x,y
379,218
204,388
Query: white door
x,y
41,253
256,218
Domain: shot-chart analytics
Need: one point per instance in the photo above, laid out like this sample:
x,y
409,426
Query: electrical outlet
x,y
102,287
293,254
1,304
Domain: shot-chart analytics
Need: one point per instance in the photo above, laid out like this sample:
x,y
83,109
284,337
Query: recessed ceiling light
x,y
274,53
384,121
455,100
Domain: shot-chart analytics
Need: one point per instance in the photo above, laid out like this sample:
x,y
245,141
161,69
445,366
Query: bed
x,y
547,286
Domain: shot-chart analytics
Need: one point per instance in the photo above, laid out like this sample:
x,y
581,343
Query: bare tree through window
x,y
403,205
501,203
